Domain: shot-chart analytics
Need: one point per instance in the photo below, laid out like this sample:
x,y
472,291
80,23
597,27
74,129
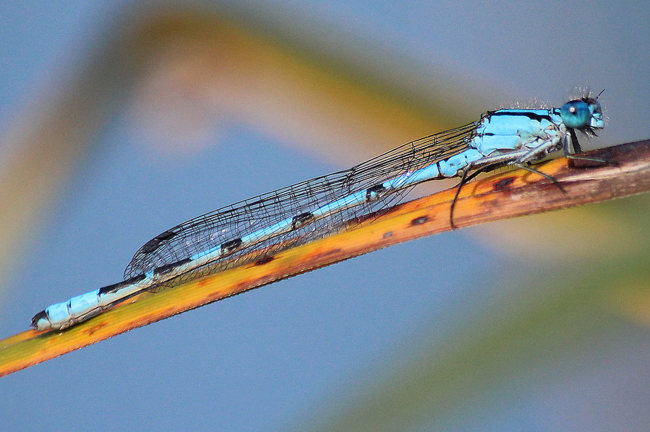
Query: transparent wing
x,y
236,220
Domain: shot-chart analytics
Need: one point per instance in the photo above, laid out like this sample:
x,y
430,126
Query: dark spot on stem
x,y
264,260
503,183
419,221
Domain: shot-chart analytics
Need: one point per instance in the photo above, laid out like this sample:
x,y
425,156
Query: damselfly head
x,y
584,114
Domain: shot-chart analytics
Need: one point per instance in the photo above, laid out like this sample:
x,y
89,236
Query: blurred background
x,y
120,119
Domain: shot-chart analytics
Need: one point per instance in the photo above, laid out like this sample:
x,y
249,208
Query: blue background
x,y
294,355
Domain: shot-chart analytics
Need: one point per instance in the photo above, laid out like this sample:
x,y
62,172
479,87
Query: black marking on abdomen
x,y
120,285
39,316
231,246
301,220
374,192
169,267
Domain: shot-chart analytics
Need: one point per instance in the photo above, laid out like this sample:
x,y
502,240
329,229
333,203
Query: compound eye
x,y
576,114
